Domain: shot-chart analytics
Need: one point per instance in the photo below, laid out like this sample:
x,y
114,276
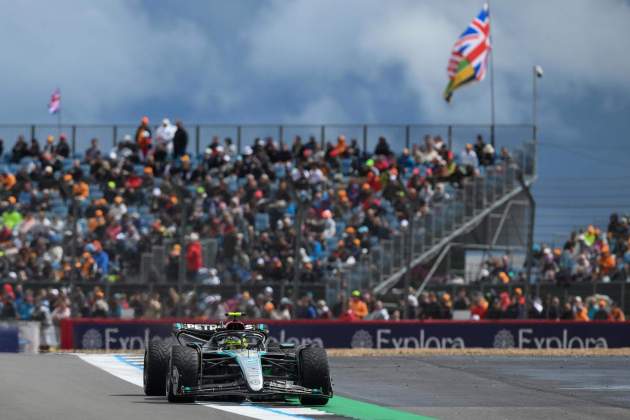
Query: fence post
x,y
114,135
450,137
365,137
32,131
407,136
238,138
622,300
74,140
323,136
281,133
197,139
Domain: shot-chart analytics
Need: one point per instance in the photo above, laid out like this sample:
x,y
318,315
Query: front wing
x,y
270,388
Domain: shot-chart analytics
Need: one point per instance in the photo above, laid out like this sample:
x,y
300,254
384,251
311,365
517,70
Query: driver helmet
x,y
234,343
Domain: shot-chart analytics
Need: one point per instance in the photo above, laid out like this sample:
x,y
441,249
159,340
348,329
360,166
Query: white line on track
x,y
598,388
129,368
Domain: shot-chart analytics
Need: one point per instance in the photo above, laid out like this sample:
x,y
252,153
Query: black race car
x,y
235,361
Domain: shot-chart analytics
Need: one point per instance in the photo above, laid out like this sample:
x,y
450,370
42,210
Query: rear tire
x,y
183,372
315,373
155,367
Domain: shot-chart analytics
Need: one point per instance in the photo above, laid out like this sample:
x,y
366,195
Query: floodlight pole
x,y
492,113
534,103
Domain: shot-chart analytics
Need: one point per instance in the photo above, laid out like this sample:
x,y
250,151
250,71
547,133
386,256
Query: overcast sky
x,y
339,62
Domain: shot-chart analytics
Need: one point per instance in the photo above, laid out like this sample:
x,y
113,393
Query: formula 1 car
x,y
236,361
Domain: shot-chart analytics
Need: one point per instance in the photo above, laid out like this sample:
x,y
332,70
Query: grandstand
x,y
373,203
174,223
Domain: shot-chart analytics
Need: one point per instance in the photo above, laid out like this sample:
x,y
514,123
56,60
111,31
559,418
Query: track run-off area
x,y
77,386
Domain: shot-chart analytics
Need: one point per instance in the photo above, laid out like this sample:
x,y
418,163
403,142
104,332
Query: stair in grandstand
x,y
387,263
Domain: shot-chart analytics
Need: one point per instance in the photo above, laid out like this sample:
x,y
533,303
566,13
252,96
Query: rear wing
x,y
206,330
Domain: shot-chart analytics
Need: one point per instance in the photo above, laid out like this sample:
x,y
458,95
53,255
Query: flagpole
x,y
491,78
59,122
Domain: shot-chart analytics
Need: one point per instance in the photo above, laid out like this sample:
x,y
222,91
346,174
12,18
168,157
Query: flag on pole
x,y
469,58
55,102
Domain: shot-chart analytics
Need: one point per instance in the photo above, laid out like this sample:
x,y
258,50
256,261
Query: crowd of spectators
x,y
51,305
88,217
591,254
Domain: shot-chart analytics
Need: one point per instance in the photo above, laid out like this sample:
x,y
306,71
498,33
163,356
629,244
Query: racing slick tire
x,y
183,368
314,373
155,367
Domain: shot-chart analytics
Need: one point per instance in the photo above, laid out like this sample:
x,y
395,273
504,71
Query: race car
x,y
234,360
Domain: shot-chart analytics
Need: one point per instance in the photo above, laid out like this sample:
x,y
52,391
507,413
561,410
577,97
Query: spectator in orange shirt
x,y
357,306
8,179
81,190
607,262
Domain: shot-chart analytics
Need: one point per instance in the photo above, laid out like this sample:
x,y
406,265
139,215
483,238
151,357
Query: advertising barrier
x,y
27,336
107,334
9,341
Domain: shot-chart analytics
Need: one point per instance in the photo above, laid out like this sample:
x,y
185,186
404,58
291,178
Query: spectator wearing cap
x,y
357,306
165,134
49,147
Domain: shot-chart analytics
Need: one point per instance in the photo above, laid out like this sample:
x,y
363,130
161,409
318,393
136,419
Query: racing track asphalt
x,y
58,386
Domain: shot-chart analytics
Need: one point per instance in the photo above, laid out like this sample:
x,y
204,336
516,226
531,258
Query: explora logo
x,y
525,339
384,339
93,339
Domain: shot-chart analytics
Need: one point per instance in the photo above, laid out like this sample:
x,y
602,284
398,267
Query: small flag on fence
x,y
55,102
469,58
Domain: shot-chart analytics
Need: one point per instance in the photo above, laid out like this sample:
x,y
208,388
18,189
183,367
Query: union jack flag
x,y
55,102
469,58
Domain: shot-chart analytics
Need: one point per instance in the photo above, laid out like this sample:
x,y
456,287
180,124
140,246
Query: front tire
x,y
315,373
183,372
155,367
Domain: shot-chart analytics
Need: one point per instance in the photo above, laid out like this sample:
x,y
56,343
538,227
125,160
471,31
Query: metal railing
x,y
200,135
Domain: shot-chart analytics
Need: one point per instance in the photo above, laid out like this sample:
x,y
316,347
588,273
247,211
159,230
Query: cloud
x,y
577,41
277,60
323,109
103,56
